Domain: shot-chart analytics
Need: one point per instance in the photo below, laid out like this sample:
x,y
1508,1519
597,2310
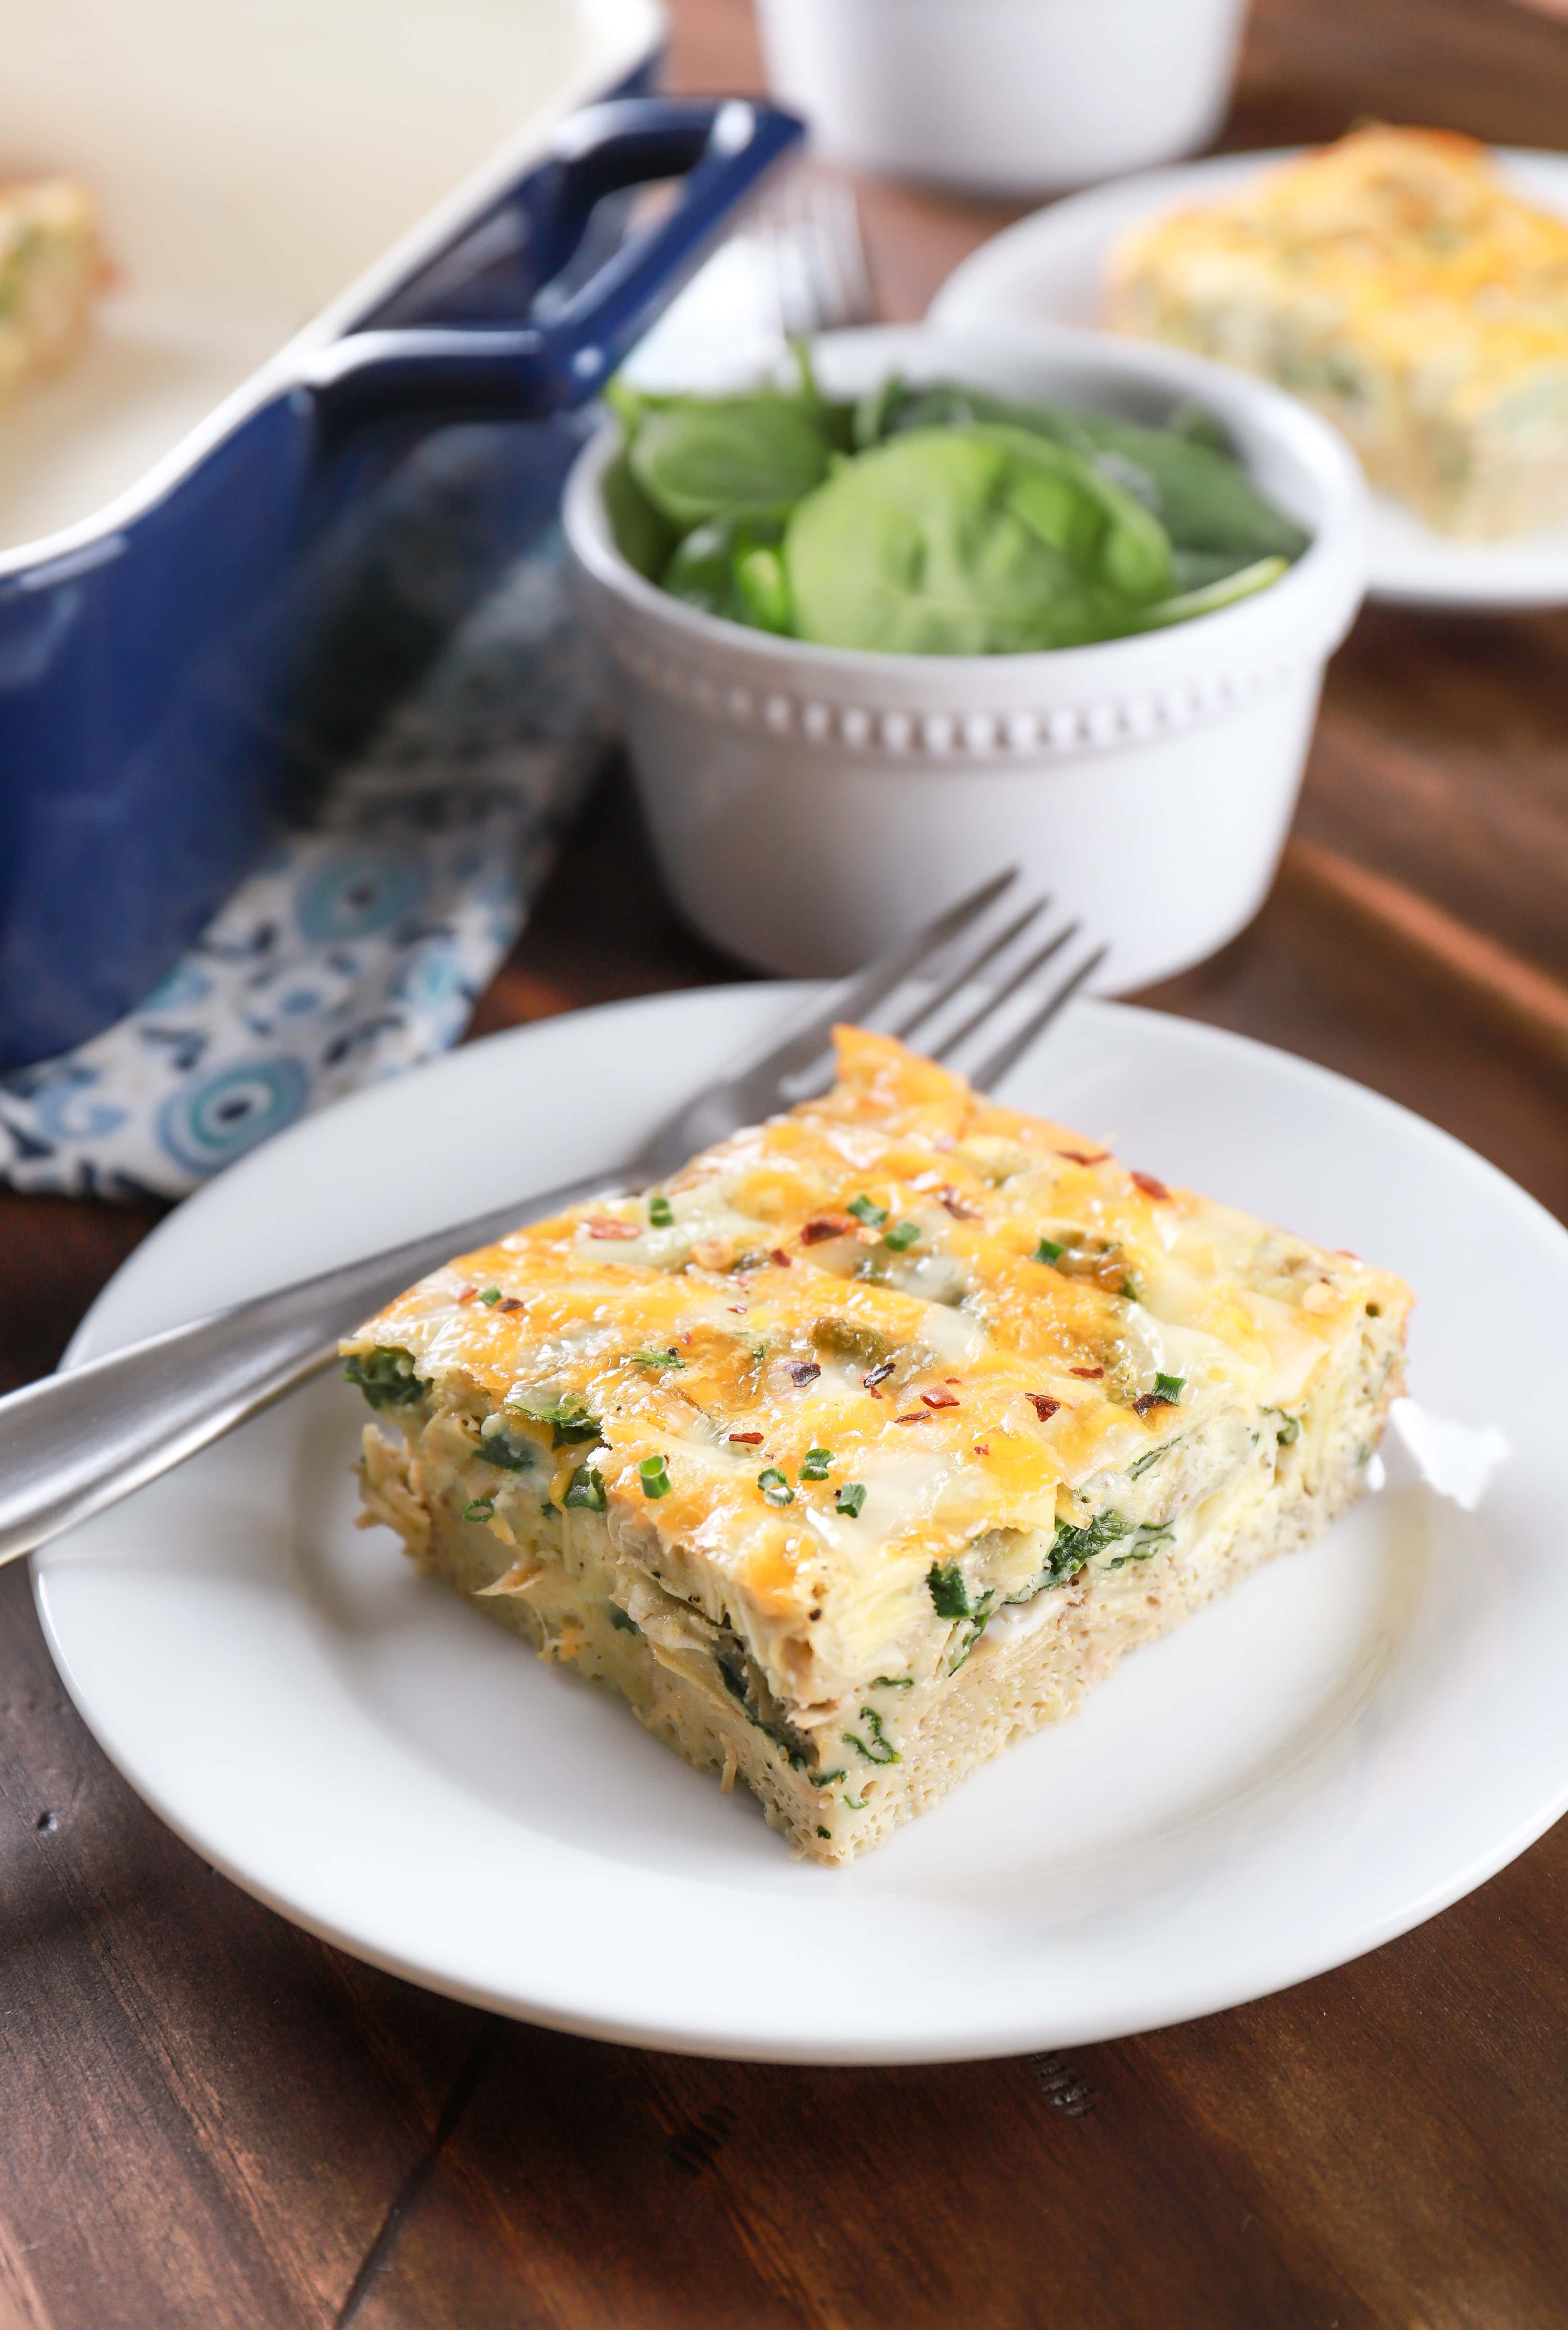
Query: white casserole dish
x,y
260,167
808,804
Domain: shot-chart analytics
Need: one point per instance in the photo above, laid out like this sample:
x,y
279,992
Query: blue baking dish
x,y
177,677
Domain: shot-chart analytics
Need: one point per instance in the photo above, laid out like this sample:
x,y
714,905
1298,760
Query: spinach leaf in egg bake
x,y
863,1447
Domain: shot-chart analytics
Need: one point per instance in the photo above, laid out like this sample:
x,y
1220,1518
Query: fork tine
x,y
966,970
849,256
993,1002
991,1072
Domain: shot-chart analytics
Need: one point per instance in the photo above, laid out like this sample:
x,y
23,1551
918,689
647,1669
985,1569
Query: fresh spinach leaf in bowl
x,y
937,519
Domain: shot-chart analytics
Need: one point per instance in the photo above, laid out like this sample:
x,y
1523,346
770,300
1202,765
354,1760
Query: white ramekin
x,y
807,804
1011,97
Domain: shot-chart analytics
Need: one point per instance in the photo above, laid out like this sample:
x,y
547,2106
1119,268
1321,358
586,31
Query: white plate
x,y
1048,270
1358,1735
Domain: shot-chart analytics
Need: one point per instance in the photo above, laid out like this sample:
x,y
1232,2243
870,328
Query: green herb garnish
x,y
569,1418
775,1488
656,1481
1048,1251
950,1595
661,1214
893,1682
490,1297
479,1509
511,1451
881,1749
385,1376
1289,1428
586,1494
850,1499
1169,1388
866,1210
902,1235
816,1463
620,1621
657,1360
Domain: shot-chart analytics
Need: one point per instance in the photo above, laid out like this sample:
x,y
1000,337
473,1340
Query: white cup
x,y
1004,97
807,804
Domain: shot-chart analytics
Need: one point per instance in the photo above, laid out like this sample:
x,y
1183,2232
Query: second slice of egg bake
x,y
864,1445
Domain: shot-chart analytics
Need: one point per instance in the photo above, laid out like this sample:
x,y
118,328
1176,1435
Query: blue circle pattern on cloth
x,y
209,1123
363,943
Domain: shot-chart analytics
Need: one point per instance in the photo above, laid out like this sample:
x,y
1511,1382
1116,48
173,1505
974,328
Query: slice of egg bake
x,y
866,1444
1398,282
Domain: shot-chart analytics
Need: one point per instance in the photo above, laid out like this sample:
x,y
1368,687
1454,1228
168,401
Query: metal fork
x,y
811,234
76,1443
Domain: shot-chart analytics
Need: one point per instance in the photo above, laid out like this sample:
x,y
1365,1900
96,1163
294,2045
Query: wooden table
x,y
207,2118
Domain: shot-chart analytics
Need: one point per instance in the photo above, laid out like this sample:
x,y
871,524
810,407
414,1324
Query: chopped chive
x,y
657,1360
1169,1387
1290,1430
1128,1291
480,1510
490,1297
661,1213
850,1499
855,1803
656,1481
586,1494
825,1779
1048,1251
865,1211
827,1833
902,1235
893,1682
775,1488
815,1467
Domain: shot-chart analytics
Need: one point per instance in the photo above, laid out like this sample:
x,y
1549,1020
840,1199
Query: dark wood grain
x,y
207,2118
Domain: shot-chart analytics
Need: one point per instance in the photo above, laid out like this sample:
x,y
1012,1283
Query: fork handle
x,y
75,1443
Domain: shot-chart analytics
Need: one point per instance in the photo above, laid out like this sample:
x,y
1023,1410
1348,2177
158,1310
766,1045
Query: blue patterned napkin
x,y
363,945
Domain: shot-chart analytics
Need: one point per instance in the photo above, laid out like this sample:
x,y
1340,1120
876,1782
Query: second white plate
x,y
1048,270
1359,1734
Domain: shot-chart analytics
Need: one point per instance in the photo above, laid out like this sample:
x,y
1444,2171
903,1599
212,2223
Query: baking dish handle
x,y
720,148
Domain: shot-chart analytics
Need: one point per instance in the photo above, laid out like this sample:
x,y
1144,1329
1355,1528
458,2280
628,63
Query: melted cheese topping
x,y
967,1309
1405,244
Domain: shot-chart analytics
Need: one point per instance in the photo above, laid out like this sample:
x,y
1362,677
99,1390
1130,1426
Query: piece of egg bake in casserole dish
x,y
868,1442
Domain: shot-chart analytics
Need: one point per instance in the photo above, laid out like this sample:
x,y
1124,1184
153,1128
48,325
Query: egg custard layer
x,y
1395,281
868,1442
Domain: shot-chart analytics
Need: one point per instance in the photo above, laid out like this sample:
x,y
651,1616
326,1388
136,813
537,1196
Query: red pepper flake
x,y
982,1447
825,1226
750,1439
1044,1406
804,1371
938,1397
780,1258
1151,1187
468,1293
1344,1250
512,1303
738,1310
877,1376
1081,1157
915,1416
1090,1375
1146,1402
605,1226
